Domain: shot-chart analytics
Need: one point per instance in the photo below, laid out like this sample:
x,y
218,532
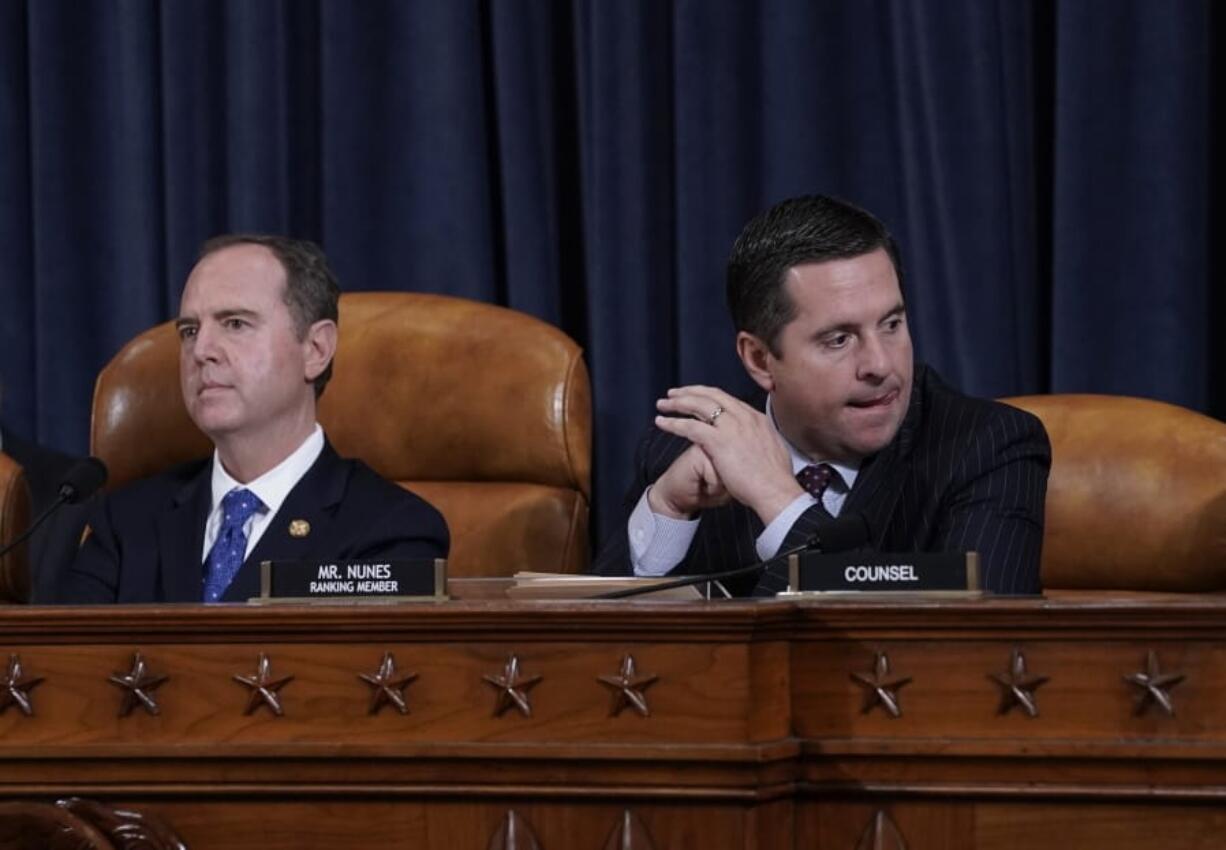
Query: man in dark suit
x,y
851,425
44,468
53,544
258,324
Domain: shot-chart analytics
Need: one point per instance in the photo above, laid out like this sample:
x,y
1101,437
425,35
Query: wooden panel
x,y
442,824
701,695
1101,826
839,825
961,824
1085,696
755,735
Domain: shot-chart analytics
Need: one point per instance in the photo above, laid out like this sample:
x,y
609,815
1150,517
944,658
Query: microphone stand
x,y
686,581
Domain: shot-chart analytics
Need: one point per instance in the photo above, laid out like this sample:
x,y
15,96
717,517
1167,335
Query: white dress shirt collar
x,y
274,485
272,488
847,472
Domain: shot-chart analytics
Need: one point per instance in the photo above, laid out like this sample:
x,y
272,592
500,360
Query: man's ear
x,y
320,346
757,358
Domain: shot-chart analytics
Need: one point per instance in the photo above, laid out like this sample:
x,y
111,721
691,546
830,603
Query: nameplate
x,y
883,571
352,581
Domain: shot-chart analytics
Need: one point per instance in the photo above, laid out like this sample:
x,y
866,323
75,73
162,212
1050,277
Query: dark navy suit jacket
x,y
962,474
53,544
147,539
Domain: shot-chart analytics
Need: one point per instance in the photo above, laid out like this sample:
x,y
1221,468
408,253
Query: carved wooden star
x,y
1154,685
14,690
881,834
881,688
386,688
514,833
512,688
628,686
1018,686
629,833
138,685
263,687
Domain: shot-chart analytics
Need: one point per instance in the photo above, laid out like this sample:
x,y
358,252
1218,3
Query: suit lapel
x,y
180,539
879,485
313,500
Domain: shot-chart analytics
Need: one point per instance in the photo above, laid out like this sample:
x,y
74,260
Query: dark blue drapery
x,y
1046,166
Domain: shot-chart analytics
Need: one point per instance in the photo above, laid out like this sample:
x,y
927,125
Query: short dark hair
x,y
808,229
311,289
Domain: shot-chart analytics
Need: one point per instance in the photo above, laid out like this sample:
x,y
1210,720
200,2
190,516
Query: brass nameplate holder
x,y
926,573
355,581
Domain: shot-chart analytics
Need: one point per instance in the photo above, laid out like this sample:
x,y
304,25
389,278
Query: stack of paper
x,y
532,585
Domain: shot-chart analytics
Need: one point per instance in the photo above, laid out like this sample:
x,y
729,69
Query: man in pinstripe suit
x,y
851,425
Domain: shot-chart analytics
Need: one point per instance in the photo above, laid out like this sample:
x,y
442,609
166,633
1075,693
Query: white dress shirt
x,y
658,543
271,488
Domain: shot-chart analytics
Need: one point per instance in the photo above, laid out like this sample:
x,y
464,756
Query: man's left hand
x,y
745,450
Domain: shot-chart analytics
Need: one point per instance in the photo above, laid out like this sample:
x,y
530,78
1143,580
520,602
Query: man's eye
x,y
234,324
187,332
893,324
837,340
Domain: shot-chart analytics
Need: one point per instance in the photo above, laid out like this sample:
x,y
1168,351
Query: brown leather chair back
x,y
483,411
1137,494
14,519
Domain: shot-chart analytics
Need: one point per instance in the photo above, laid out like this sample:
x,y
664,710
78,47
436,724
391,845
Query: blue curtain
x,y
1046,167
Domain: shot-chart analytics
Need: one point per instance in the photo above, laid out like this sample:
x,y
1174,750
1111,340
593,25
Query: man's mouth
x,y
879,401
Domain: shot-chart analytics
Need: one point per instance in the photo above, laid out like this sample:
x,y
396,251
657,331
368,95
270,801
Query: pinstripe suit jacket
x,y
962,474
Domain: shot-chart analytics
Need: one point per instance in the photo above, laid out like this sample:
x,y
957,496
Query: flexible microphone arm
x,y
686,581
842,534
82,480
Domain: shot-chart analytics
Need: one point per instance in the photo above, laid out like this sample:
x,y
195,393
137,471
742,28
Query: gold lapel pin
x,y
299,528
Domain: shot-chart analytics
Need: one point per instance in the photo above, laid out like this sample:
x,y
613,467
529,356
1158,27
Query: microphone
x,y
82,480
845,532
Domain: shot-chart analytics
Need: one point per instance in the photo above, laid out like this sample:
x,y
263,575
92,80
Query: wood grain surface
x,y
757,734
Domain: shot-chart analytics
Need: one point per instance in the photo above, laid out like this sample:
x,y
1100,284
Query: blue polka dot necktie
x,y
230,550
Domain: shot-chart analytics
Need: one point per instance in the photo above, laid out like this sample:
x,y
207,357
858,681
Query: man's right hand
x,y
688,486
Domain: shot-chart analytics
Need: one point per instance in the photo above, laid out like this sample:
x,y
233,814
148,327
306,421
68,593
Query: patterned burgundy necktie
x,y
815,478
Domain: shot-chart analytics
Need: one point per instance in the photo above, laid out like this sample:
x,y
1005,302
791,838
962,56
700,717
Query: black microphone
x,y
839,535
82,480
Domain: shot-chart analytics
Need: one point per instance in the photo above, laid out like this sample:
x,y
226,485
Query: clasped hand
x,y
736,454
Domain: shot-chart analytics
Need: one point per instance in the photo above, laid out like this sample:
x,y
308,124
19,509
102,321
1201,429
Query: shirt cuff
x,y
773,535
658,543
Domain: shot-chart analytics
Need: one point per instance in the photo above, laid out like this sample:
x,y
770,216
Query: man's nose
x,y
204,345
874,362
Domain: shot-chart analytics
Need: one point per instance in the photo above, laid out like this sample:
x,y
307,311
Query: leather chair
x,y
483,411
14,519
77,824
1137,494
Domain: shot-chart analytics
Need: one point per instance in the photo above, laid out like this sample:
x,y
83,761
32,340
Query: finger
x,y
701,402
711,485
713,393
711,490
704,468
694,404
696,432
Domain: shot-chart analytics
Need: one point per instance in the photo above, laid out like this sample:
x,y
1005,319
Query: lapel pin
x,y
299,528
